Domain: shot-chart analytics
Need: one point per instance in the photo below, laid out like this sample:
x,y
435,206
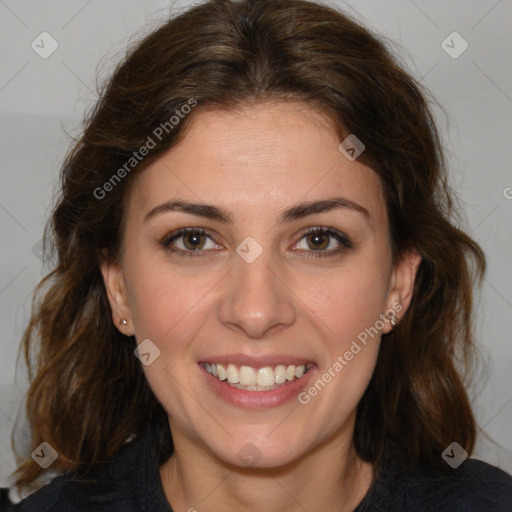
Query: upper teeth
x,y
247,376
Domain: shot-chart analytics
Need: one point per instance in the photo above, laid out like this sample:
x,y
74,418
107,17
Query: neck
x,y
329,477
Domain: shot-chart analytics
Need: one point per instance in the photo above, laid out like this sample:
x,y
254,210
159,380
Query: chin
x,y
251,453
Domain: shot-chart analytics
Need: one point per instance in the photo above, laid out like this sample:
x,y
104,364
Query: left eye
x,y
319,239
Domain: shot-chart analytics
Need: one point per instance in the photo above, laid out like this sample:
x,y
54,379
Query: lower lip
x,y
258,399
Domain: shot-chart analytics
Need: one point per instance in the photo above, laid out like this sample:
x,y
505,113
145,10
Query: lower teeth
x,y
253,388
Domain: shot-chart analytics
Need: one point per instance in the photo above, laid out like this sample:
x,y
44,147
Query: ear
x,y
401,288
116,292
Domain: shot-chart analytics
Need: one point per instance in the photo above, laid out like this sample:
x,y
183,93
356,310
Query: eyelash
x,y
340,237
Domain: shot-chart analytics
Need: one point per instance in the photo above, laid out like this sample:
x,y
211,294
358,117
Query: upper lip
x,y
257,361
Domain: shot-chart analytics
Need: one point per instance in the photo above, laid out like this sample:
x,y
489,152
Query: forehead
x,y
255,160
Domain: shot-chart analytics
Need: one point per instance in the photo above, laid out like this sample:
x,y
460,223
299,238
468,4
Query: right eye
x,y
192,241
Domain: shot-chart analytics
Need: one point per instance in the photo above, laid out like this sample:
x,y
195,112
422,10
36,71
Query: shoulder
x,y
123,485
473,486
56,496
64,494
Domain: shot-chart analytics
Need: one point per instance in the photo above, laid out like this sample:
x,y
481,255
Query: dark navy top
x,y
131,482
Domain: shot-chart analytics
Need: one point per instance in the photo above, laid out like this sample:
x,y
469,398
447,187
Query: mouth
x,y
248,378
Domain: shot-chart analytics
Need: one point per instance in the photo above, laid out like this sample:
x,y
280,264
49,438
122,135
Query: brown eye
x,y
189,242
193,240
318,241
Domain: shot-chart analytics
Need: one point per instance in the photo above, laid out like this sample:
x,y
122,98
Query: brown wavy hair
x,y
88,393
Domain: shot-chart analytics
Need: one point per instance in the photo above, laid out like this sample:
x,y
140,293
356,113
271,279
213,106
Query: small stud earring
x,y
393,320
124,322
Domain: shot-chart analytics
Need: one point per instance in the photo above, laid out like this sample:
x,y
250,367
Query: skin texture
x,y
256,162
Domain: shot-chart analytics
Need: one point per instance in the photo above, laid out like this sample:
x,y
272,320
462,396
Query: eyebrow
x,y
296,212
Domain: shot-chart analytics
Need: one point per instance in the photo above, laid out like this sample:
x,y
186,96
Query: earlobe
x,y
400,295
116,293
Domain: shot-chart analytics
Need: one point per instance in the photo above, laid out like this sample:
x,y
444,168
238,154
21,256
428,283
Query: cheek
x,y
167,307
346,307
346,302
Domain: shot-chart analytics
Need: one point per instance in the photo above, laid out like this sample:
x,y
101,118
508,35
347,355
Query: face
x,y
289,265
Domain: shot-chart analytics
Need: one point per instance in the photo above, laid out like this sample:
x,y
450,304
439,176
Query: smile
x,y
248,378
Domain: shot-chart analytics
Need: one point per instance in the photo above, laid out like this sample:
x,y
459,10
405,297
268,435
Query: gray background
x,y
42,101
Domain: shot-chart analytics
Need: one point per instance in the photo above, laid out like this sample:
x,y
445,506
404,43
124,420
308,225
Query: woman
x,y
261,301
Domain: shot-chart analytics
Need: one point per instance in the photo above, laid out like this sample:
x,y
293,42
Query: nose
x,y
257,298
